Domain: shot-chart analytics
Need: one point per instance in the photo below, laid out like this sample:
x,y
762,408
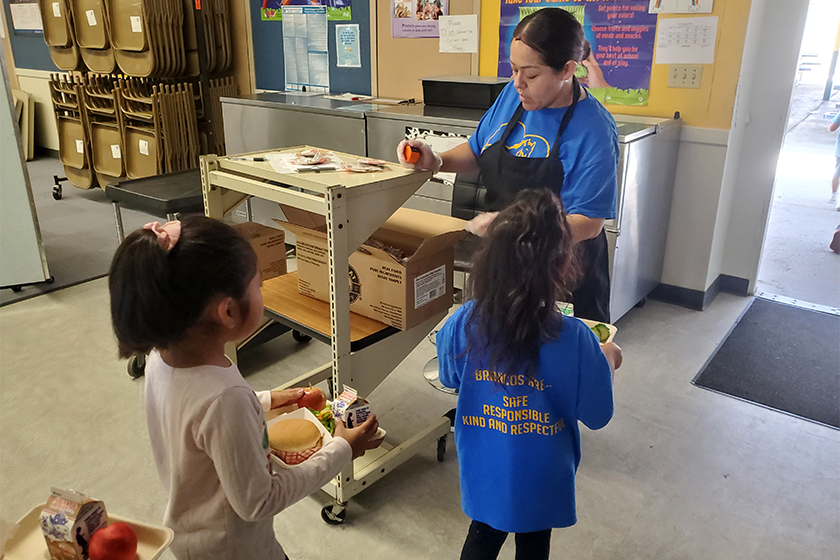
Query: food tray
x,y
28,542
590,324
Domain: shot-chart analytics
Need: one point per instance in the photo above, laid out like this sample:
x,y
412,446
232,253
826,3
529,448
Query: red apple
x,y
313,398
117,541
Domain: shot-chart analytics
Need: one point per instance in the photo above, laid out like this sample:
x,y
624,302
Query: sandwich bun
x,y
294,440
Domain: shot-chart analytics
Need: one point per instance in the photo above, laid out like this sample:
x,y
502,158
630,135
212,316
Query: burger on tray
x,y
295,436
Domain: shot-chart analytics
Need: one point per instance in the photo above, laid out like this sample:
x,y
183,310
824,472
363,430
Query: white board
x,y
22,259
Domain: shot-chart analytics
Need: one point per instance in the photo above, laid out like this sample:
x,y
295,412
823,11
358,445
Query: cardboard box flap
x,y
303,218
437,232
424,225
437,244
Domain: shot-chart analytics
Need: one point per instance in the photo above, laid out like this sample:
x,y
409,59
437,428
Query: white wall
x,y
775,43
695,207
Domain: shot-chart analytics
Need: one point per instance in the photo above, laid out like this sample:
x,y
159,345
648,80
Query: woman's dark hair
x,y
555,34
525,264
157,296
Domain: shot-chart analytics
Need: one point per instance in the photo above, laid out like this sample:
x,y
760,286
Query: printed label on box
x,y
56,9
144,147
429,286
115,151
80,147
91,17
136,24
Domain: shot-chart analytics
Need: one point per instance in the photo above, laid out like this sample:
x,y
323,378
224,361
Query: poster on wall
x,y
621,34
26,16
305,55
417,18
337,10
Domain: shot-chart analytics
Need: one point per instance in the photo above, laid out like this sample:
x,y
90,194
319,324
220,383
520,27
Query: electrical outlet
x,y
685,75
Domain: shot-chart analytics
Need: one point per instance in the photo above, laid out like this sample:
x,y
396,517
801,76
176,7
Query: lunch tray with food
x,y
28,543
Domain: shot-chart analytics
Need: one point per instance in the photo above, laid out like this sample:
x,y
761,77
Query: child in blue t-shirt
x,y
525,375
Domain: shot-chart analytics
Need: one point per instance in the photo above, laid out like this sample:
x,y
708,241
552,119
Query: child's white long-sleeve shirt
x,y
210,445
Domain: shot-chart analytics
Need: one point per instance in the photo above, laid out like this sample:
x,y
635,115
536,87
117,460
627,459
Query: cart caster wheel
x,y
451,416
17,288
641,303
136,366
441,449
300,337
331,518
56,192
50,280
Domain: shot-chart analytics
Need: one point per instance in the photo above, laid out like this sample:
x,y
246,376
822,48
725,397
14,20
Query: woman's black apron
x,y
504,175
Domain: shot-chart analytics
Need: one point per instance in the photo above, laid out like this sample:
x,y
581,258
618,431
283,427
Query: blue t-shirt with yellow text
x,y
588,149
518,440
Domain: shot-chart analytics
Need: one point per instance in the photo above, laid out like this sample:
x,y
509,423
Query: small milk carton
x,y
68,520
350,408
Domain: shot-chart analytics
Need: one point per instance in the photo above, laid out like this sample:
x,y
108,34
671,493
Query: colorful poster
x,y
337,10
621,34
417,18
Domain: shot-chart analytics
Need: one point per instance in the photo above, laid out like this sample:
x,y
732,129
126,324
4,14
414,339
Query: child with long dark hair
x,y
180,292
526,375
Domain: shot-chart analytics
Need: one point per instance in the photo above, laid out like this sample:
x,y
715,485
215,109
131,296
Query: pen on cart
x,y
234,158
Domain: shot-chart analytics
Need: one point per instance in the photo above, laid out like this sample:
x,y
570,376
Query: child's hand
x,y
613,353
360,438
285,397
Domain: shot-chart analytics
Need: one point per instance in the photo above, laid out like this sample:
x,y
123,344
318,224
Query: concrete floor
x,y
796,261
680,473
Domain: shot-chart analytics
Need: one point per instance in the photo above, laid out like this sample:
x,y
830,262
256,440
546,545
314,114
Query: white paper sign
x,y
348,53
429,286
26,17
680,7
144,147
305,48
56,9
686,40
459,34
91,17
115,151
136,24
80,147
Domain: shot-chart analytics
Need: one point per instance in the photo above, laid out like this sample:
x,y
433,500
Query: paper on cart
x,y
7,531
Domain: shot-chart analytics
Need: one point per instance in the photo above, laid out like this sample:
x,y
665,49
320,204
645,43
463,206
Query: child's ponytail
x,y
160,284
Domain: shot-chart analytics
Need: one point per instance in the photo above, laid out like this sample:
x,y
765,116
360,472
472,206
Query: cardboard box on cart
x,y
270,246
398,292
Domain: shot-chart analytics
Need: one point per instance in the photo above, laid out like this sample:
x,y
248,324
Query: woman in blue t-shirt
x,y
525,376
545,131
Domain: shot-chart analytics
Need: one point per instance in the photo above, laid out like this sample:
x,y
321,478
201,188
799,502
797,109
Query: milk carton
x,y
68,520
350,408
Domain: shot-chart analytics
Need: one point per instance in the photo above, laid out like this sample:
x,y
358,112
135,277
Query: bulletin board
x,y
270,71
30,49
402,63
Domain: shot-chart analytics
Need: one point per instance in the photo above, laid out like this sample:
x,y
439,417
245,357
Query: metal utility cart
x,y
364,351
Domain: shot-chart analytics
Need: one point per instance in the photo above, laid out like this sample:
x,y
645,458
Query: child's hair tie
x,y
167,234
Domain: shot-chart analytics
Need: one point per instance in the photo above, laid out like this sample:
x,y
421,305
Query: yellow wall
x,y
709,107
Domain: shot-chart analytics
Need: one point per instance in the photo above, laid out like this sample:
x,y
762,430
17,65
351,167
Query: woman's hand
x,y
428,159
595,77
478,225
614,354
285,397
360,438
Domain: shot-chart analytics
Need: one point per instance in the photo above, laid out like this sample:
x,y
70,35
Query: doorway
x,y
797,263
